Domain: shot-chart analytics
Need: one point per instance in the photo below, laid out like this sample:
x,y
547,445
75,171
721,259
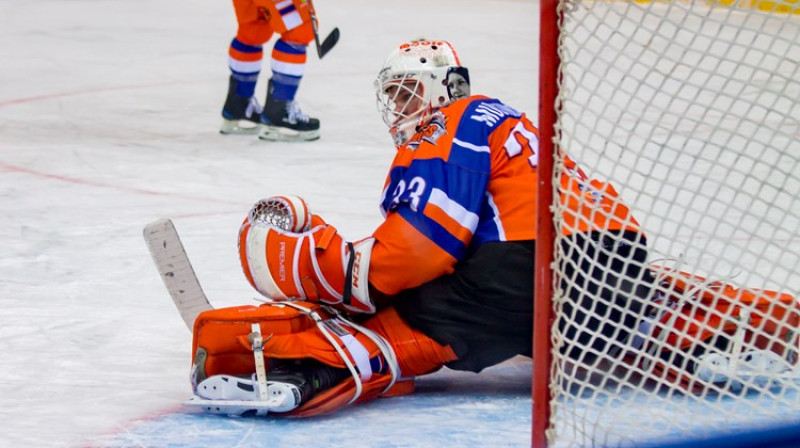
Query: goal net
x,y
668,274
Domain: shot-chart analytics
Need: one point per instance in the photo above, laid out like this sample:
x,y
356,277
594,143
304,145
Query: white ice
x,y
108,120
109,113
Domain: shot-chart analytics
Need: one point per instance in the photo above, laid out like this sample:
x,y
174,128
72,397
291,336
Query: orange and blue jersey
x,y
469,177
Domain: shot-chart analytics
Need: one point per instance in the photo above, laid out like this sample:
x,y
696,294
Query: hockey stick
x,y
178,275
329,42
175,269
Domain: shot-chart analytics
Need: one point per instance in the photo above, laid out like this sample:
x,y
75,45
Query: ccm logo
x,y
356,267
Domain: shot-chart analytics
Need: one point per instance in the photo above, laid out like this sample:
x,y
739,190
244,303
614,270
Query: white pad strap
x,y
354,347
323,328
353,371
386,349
258,355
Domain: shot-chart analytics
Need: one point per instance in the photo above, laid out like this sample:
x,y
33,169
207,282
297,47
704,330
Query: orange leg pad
x,y
417,354
290,334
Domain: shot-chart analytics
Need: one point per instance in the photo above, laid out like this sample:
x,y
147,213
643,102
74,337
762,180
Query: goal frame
x,y
545,233
552,15
543,319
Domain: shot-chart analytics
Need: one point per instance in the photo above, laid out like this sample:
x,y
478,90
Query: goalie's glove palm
x,y
317,265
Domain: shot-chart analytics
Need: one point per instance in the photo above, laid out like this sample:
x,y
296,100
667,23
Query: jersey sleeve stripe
x,y
501,233
453,210
452,226
470,146
435,232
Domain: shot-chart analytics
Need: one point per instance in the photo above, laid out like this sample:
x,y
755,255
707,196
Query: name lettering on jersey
x,y
411,194
492,113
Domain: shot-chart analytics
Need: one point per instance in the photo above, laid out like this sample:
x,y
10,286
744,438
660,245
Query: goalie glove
x,y
317,265
285,212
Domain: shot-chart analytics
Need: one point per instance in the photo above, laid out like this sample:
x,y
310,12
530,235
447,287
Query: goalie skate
x,y
231,395
757,368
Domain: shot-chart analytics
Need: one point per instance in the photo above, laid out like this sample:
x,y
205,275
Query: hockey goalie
x,y
447,278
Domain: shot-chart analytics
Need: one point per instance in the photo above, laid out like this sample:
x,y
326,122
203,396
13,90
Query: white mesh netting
x,y
691,111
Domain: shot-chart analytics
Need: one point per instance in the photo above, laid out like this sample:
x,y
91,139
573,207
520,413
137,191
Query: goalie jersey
x,y
470,177
467,178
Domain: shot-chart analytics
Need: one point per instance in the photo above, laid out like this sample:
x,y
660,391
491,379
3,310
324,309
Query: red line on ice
x,y
5,167
48,96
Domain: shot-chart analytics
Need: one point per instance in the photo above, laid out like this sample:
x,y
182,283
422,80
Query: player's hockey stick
x,y
176,271
329,42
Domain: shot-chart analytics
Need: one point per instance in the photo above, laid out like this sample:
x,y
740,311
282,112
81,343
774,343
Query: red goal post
x,y
543,284
691,111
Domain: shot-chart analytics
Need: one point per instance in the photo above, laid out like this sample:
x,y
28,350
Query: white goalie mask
x,y
413,83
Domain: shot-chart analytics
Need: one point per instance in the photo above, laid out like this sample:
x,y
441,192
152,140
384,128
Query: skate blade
x,y
228,394
228,407
282,398
769,374
238,127
279,134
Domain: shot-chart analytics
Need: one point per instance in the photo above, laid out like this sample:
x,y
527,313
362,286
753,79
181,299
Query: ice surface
x,y
108,120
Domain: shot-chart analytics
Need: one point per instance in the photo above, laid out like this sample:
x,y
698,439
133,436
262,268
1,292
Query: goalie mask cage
x,y
691,111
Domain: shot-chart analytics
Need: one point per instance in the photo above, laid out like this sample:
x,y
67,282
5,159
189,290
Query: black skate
x,y
284,121
240,115
310,377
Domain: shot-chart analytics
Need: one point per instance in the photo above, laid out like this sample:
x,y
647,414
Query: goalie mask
x,y
417,78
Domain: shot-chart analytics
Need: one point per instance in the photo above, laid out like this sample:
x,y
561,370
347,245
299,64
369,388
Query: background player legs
x,y
240,104
242,113
282,116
